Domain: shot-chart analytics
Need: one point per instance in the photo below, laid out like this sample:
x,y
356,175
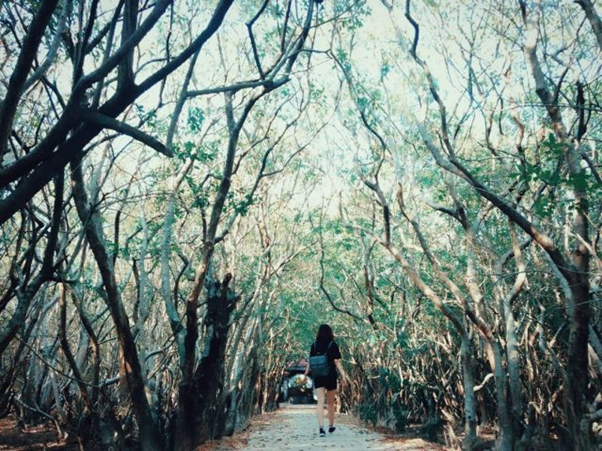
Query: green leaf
x,y
196,117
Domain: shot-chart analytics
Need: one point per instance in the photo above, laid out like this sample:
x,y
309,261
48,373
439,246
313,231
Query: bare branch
x,y
121,127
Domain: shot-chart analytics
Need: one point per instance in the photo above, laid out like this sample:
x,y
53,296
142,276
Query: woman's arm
x,y
308,369
337,363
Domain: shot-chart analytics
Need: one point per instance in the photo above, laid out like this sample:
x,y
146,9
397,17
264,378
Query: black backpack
x,y
319,363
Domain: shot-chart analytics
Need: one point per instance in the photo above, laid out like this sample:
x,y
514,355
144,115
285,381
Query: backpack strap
x,y
314,347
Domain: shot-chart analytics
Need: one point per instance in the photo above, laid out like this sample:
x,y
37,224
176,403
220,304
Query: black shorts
x,y
328,382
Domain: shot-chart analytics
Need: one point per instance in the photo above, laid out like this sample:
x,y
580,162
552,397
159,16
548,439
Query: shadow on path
x,y
295,428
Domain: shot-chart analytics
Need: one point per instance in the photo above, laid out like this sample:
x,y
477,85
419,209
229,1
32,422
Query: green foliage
x,y
343,58
412,347
242,206
550,171
203,153
552,152
200,195
385,68
196,119
352,14
401,414
432,428
369,412
149,118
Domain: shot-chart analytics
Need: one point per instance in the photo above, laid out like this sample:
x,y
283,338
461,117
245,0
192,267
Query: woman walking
x,y
325,381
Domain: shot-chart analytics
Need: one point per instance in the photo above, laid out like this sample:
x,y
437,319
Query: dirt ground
x,y
295,428
291,428
34,438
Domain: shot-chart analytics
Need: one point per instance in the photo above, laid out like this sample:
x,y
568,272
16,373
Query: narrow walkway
x,y
294,428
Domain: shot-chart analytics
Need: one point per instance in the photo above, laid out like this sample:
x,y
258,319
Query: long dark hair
x,y
324,333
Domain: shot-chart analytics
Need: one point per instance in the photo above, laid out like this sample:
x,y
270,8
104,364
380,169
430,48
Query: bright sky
x,y
336,152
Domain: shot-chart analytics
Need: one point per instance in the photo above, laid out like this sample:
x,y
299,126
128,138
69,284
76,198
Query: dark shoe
x,y
331,429
322,433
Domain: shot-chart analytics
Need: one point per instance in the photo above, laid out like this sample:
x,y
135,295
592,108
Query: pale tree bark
x,y
574,269
170,303
68,138
143,304
578,273
28,289
86,427
175,321
18,79
150,439
95,345
467,351
510,331
505,439
593,18
187,433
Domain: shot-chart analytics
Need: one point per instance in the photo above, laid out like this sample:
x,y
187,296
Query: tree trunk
x,y
470,401
196,418
506,438
150,439
208,378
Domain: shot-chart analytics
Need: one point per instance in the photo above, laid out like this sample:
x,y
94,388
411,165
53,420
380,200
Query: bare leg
x,y
320,406
331,396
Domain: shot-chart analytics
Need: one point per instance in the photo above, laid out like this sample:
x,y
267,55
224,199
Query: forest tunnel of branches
x,y
188,189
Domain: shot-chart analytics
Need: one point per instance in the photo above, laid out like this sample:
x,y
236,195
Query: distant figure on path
x,y
326,384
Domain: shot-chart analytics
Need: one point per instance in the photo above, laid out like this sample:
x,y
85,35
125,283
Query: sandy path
x,y
295,428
